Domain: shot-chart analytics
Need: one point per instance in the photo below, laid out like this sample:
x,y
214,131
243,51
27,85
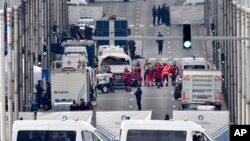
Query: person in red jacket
x,y
137,73
158,75
127,77
174,70
150,75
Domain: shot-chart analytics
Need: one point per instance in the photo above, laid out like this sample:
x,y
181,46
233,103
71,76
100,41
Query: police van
x,y
55,130
162,130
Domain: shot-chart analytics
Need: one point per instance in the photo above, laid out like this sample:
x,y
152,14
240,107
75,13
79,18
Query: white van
x,y
193,2
161,130
55,130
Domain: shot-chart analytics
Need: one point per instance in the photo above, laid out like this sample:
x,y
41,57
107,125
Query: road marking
x,y
131,25
141,25
149,98
173,106
168,32
169,47
169,57
131,99
168,42
135,32
151,25
169,52
177,59
130,106
172,92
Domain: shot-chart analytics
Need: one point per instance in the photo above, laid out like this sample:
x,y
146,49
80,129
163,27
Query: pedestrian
x,y
39,93
47,97
83,106
167,15
132,48
146,71
163,14
174,71
127,77
154,14
166,69
166,117
138,94
73,106
158,75
160,43
159,15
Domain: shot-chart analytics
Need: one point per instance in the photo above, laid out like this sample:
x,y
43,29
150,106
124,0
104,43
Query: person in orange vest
x,y
166,69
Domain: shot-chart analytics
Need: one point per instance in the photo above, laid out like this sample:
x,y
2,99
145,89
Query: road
x,y
138,12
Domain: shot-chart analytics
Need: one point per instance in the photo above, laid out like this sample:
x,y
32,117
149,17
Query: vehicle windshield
x,y
86,22
61,107
192,67
156,135
115,61
102,136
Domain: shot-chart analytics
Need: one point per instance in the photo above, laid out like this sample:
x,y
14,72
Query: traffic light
x,y
39,59
187,44
212,28
68,1
44,50
222,58
54,29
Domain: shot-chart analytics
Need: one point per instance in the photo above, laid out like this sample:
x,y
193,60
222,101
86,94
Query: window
x,y
116,61
88,136
46,136
156,135
199,136
194,67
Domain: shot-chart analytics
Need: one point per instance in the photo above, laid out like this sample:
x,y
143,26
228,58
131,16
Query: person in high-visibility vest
x,y
166,69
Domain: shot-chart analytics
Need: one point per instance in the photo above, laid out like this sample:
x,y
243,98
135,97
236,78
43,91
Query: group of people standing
x,y
43,96
158,73
136,74
162,14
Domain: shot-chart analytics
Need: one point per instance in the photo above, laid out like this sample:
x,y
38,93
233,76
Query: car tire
x,y
105,89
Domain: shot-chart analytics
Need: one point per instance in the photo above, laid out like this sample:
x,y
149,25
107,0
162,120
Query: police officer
x,y
159,15
138,94
154,14
160,43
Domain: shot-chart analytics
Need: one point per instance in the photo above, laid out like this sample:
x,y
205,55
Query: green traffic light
x,y
39,63
44,53
222,62
187,44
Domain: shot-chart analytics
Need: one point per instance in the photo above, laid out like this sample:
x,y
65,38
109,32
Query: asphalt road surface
x,y
139,15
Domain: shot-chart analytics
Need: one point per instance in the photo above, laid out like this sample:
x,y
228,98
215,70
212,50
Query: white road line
x,y
168,42
151,25
177,59
169,52
169,47
141,25
168,32
132,25
148,98
169,57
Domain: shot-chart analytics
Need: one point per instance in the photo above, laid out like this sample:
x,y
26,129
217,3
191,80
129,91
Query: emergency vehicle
x,y
117,60
202,86
86,21
54,130
68,84
161,130
78,51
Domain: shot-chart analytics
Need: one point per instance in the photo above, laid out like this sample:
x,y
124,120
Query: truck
x,y
77,51
216,123
112,27
68,84
201,86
